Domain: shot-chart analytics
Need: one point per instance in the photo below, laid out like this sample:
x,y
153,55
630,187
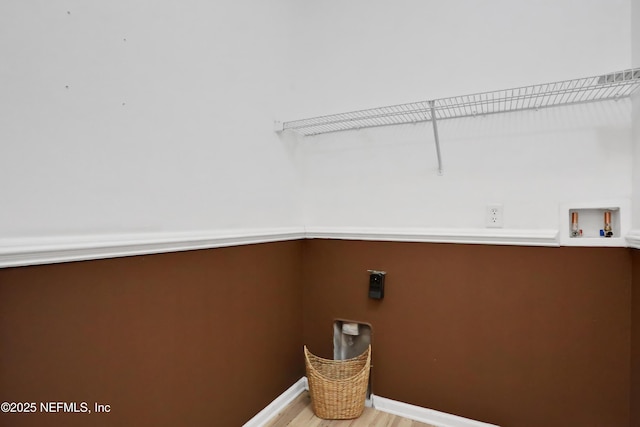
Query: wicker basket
x,y
338,388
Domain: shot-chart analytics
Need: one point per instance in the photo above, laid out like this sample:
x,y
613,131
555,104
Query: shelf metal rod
x,y
432,104
610,86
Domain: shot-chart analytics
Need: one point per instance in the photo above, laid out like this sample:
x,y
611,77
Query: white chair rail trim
x,y
520,237
633,239
30,251
47,250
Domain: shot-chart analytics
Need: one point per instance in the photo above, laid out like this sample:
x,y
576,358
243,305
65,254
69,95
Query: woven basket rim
x,y
341,380
306,349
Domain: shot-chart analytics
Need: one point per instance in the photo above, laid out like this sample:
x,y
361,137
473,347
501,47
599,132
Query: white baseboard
x,y
278,404
424,415
405,410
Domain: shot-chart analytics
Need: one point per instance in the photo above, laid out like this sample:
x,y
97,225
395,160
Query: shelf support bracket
x,y
432,104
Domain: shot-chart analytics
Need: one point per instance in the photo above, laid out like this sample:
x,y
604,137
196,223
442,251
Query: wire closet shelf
x,y
612,86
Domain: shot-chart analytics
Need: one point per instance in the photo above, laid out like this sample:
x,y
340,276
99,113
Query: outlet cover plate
x,y
495,216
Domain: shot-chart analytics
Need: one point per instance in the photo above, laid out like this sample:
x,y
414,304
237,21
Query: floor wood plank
x,y
299,414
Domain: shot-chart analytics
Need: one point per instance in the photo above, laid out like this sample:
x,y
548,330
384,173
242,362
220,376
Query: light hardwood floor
x,y
299,413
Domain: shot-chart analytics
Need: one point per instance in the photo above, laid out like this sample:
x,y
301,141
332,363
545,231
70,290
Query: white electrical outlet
x,y
494,217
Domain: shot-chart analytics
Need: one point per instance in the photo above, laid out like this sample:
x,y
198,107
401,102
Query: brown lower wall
x,y
635,341
515,336
185,339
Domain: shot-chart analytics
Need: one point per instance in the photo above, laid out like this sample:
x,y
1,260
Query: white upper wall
x,y
362,54
144,116
156,116
635,32
635,57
